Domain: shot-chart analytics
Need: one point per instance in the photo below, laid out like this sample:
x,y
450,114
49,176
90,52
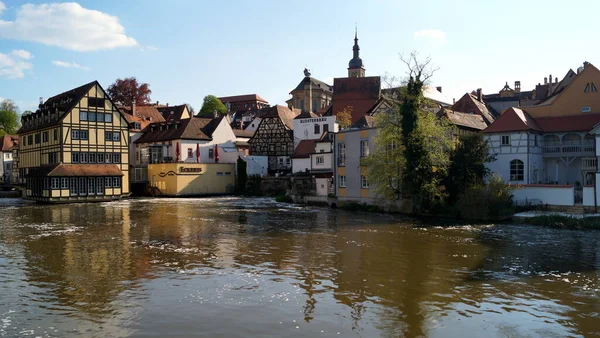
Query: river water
x,y
236,267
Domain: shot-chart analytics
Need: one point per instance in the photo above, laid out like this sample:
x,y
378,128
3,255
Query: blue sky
x,y
188,49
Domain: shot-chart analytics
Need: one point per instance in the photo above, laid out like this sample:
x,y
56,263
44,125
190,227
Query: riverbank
x,y
560,220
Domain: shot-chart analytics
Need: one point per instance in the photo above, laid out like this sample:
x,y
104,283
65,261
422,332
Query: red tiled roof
x,y
304,149
8,142
360,93
149,113
513,119
568,123
194,128
58,170
239,98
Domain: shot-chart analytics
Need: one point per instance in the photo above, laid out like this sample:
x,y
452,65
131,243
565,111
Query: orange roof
x,y
513,119
304,149
568,123
7,142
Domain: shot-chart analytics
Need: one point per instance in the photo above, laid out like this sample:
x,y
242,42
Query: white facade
x,y
521,146
313,128
257,165
6,162
322,159
300,165
254,124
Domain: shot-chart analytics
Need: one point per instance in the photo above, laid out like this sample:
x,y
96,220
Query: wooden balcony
x,y
589,163
573,150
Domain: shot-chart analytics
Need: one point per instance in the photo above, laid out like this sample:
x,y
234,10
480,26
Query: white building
x,y
310,126
6,157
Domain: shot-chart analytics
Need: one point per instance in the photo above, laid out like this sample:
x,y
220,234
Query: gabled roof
x,y
8,142
471,121
172,112
306,115
194,128
240,98
317,84
304,149
468,103
365,122
58,170
513,119
56,107
284,113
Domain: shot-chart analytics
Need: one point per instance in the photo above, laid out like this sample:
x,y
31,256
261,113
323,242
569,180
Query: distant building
x,y
7,144
244,102
170,113
274,139
74,148
311,126
311,90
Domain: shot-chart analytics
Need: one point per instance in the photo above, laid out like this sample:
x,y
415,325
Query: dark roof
x,y
360,93
8,142
365,122
304,149
172,112
468,103
188,129
284,113
306,115
58,170
243,133
240,98
317,84
56,107
471,121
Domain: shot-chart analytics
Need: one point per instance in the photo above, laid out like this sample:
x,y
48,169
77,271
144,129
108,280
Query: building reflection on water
x,y
91,260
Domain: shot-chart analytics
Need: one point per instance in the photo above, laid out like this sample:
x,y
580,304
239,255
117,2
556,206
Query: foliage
x,y
284,199
242,175
9,117
124,91
344,117
27,112
210,105
492,201
565,222
467,168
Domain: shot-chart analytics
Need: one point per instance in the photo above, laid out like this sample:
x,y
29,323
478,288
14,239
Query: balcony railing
x,y
589,163
571,149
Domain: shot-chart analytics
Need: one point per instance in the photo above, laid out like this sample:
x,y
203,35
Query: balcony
x,y
589,163
569,150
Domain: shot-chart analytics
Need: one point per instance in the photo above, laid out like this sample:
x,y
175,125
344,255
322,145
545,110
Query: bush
x,y
565,222
489,202
284,199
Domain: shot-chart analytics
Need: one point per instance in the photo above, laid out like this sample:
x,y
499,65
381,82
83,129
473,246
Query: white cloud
x,y
433,34
2,7
66,25
69,65
13,66
149,48
23,54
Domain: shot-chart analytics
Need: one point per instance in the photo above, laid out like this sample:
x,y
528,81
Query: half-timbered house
x,y
274,139
74,148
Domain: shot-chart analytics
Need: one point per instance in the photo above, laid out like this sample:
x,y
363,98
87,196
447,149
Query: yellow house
x,y
192,179
74,148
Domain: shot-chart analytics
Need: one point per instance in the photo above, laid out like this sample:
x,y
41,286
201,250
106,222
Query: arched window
x,y
517,172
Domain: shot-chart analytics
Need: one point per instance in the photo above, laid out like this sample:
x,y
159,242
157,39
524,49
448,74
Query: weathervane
x,y
306,72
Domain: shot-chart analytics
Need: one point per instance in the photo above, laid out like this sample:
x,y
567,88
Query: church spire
x,y
355,66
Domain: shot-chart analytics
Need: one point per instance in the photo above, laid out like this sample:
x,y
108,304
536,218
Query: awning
x,y
68,170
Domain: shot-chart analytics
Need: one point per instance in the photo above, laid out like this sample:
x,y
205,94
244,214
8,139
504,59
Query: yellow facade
x,y
90,134
192,179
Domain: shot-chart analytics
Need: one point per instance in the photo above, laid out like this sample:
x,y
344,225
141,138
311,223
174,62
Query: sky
x,y
186,49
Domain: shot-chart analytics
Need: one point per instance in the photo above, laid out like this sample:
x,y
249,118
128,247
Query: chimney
x,y
157,102
550,79
167,104
453,101
545,80
439,89
133,106
41,100
479,95
585,64
555,80
517,87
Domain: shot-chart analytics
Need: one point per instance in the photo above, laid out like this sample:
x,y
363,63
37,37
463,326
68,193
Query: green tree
x,y
467,168
9,117
210,105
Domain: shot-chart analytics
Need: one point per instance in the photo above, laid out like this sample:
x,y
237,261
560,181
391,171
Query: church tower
x,y
355,66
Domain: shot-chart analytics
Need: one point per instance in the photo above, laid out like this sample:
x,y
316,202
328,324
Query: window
x,y
116,158
281,161
45,136
317,129
91,185
219,174
108,118
320,160
341,154
364,182
56,134
92,117
342,181
288,161
112,136
73,186
535,140
516,170
364,148
325,128
190,153
74,157
37,138
116,182
228,173
83,116
590,87
53,158
109,158
30,139
83,134
24,140
64,183
137,125
92,158
83,157
96,102
82,186
108,182
586,109
211,153
75,134
100,157
594,89
505,140
54,183
99,185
